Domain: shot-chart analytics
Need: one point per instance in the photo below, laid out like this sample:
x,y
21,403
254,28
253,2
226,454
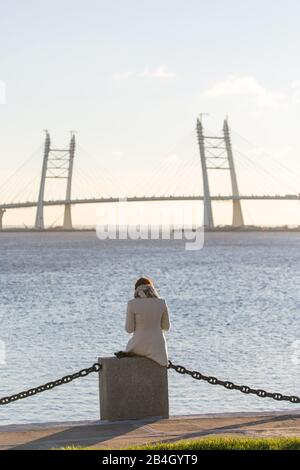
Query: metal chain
x,y
49,385
231,386
180,369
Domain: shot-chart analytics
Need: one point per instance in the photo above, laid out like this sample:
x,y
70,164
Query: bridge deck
x,y
61,202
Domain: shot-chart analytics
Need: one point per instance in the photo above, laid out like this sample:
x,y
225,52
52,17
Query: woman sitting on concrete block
x,y
147,317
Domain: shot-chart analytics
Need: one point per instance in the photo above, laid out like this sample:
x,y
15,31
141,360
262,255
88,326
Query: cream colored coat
x,y
146,318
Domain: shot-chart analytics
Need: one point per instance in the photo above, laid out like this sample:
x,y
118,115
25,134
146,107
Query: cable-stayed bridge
x,y
215,152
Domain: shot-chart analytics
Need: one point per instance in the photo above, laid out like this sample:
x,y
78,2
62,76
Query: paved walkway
x,y
121,434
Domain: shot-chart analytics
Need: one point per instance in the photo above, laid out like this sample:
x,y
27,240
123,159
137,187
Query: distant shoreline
x,y
221,229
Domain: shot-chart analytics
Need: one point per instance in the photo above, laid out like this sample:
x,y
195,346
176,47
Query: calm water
x,y
234,309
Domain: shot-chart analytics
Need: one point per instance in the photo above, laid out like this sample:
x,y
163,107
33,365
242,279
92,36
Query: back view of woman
x,y
147,317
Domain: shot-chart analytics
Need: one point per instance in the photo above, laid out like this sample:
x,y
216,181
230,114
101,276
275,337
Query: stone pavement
x,y
121,434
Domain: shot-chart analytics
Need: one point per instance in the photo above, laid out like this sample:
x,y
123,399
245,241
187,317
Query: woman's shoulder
x,y
147,299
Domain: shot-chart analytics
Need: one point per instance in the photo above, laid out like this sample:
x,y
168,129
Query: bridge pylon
x,y
216,154
237,214
208,221
58,164
67,224
39,220
1,218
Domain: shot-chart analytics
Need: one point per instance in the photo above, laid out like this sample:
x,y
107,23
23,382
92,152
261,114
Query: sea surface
x,y
234,308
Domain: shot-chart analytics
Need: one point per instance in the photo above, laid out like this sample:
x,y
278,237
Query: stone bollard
x,y
2,211
132,388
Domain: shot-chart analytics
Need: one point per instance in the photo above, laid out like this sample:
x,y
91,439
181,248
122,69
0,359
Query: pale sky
x,y
131,77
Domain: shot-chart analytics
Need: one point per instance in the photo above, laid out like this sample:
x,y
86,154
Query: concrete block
x,y
132,388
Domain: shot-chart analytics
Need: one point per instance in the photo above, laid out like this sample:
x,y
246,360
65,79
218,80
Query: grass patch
x,y
228,443
218,443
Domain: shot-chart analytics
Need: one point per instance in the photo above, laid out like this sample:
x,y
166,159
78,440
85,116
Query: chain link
x,y
231,386
178,368
49,385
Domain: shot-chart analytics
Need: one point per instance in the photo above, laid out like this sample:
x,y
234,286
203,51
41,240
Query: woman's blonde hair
x,y
143,280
